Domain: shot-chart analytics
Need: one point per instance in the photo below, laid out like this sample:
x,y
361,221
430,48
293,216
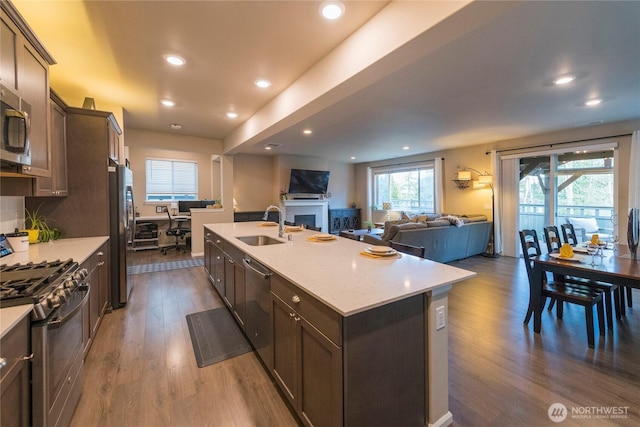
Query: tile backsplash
x,y
11,213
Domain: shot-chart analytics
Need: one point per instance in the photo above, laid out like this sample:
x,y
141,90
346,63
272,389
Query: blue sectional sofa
x,y
443,240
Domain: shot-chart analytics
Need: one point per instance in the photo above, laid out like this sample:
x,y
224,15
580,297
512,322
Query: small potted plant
x,y
369,226
36,225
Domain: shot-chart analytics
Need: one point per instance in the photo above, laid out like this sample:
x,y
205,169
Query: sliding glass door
x,y
557,185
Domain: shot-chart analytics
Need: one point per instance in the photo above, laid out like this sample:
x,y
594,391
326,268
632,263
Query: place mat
x,y
292,228
267,224
370,255
328,238
215,336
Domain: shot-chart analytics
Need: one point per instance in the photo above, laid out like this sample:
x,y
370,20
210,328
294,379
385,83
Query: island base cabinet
x,y
385,361
307,366
15,393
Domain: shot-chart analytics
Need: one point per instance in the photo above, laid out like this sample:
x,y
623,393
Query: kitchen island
x,y
352,340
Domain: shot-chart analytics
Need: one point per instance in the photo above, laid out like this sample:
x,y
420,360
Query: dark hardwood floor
x,y
141,370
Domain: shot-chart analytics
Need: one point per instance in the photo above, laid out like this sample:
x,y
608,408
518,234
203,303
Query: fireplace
x,y
309,212
306,220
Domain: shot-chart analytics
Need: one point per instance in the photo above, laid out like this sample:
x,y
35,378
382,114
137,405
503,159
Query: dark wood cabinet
x,y
307,365
343,219
85,211
25,71
98,281
15,390
214,261
56,184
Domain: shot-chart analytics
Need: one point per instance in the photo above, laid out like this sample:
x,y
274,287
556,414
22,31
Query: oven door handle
x,y
55,324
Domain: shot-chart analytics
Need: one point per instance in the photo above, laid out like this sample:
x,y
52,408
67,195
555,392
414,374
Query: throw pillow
x,y
453,220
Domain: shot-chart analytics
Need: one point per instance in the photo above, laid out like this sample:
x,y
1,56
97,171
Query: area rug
x,y
165,266
215,336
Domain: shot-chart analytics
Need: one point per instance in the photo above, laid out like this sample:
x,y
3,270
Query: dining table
x,y
614,267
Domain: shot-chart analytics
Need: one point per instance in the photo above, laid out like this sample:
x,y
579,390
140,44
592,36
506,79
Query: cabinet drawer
x,y
319,315
214,238
234,253
14,345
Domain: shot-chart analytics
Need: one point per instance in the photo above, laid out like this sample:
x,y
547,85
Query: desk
x,y
152,241
616,268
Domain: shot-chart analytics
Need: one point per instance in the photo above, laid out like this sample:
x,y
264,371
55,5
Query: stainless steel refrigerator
x,y
121,217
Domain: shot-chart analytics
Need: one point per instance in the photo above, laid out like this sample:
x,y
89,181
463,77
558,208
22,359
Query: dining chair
x,y
552,237
311,227
574,293
569,234
407,249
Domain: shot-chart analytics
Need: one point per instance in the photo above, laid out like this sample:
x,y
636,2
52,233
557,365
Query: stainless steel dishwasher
x,y
258,307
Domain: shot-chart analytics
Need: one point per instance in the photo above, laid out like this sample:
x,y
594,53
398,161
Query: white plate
x,y
574,259
392,252
323,236
379,249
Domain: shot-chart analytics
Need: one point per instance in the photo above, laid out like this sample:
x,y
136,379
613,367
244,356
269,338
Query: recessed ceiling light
x,y
232,114
332,9
353,157
593,102
168,103
174,59
307,131
406,147
262,83
563,80
267,148
176,126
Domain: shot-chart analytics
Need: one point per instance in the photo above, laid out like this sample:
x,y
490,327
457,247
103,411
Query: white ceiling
x,y
479,75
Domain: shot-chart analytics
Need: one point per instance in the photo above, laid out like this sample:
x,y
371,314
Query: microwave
x,y
14,114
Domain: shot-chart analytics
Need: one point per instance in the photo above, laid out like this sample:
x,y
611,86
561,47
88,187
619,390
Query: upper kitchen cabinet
x,y
24,68
56,185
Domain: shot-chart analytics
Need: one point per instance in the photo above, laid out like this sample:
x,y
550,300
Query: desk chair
x,y
177,231
575,293
407,249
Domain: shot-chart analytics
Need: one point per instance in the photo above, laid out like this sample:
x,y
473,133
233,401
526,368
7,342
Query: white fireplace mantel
x,y
319,208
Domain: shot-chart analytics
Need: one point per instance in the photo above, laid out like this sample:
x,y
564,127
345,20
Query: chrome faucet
x,y
280,218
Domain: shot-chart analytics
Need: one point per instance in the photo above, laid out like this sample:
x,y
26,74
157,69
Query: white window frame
x,y
429,164
172,194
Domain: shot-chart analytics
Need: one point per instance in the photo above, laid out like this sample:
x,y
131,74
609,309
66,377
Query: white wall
x,y
143,144
258,180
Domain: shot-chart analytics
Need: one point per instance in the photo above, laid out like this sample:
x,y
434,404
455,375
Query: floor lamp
x,y
487,179
484,179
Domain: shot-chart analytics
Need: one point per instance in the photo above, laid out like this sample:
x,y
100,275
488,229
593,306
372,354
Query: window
x,y
170,180
405,188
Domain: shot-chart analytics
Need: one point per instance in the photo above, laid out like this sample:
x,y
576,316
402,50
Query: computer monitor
x,y
184,206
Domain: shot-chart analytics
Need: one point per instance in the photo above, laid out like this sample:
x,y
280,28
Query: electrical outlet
x,y
440,318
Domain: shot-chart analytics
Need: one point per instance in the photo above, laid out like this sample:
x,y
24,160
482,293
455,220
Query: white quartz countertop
x,y
337,274
78,249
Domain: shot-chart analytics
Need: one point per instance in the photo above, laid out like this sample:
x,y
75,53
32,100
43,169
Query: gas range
x,y
47,285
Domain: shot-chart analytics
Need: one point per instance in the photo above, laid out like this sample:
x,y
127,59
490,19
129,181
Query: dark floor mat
x,y
215,336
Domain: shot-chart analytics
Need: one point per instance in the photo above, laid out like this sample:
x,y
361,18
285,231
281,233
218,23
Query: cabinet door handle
x,y
292,315
100,253
3,362
297,319
295,299
29,357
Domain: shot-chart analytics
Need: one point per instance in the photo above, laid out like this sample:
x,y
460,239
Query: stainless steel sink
x,y
260,240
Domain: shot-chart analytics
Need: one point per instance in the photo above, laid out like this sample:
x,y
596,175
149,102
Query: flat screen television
x,y
305,181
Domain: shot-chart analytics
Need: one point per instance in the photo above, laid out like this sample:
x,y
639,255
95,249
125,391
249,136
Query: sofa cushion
x,y
473,218
388,225
453,220
394,229
590,225
438,223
